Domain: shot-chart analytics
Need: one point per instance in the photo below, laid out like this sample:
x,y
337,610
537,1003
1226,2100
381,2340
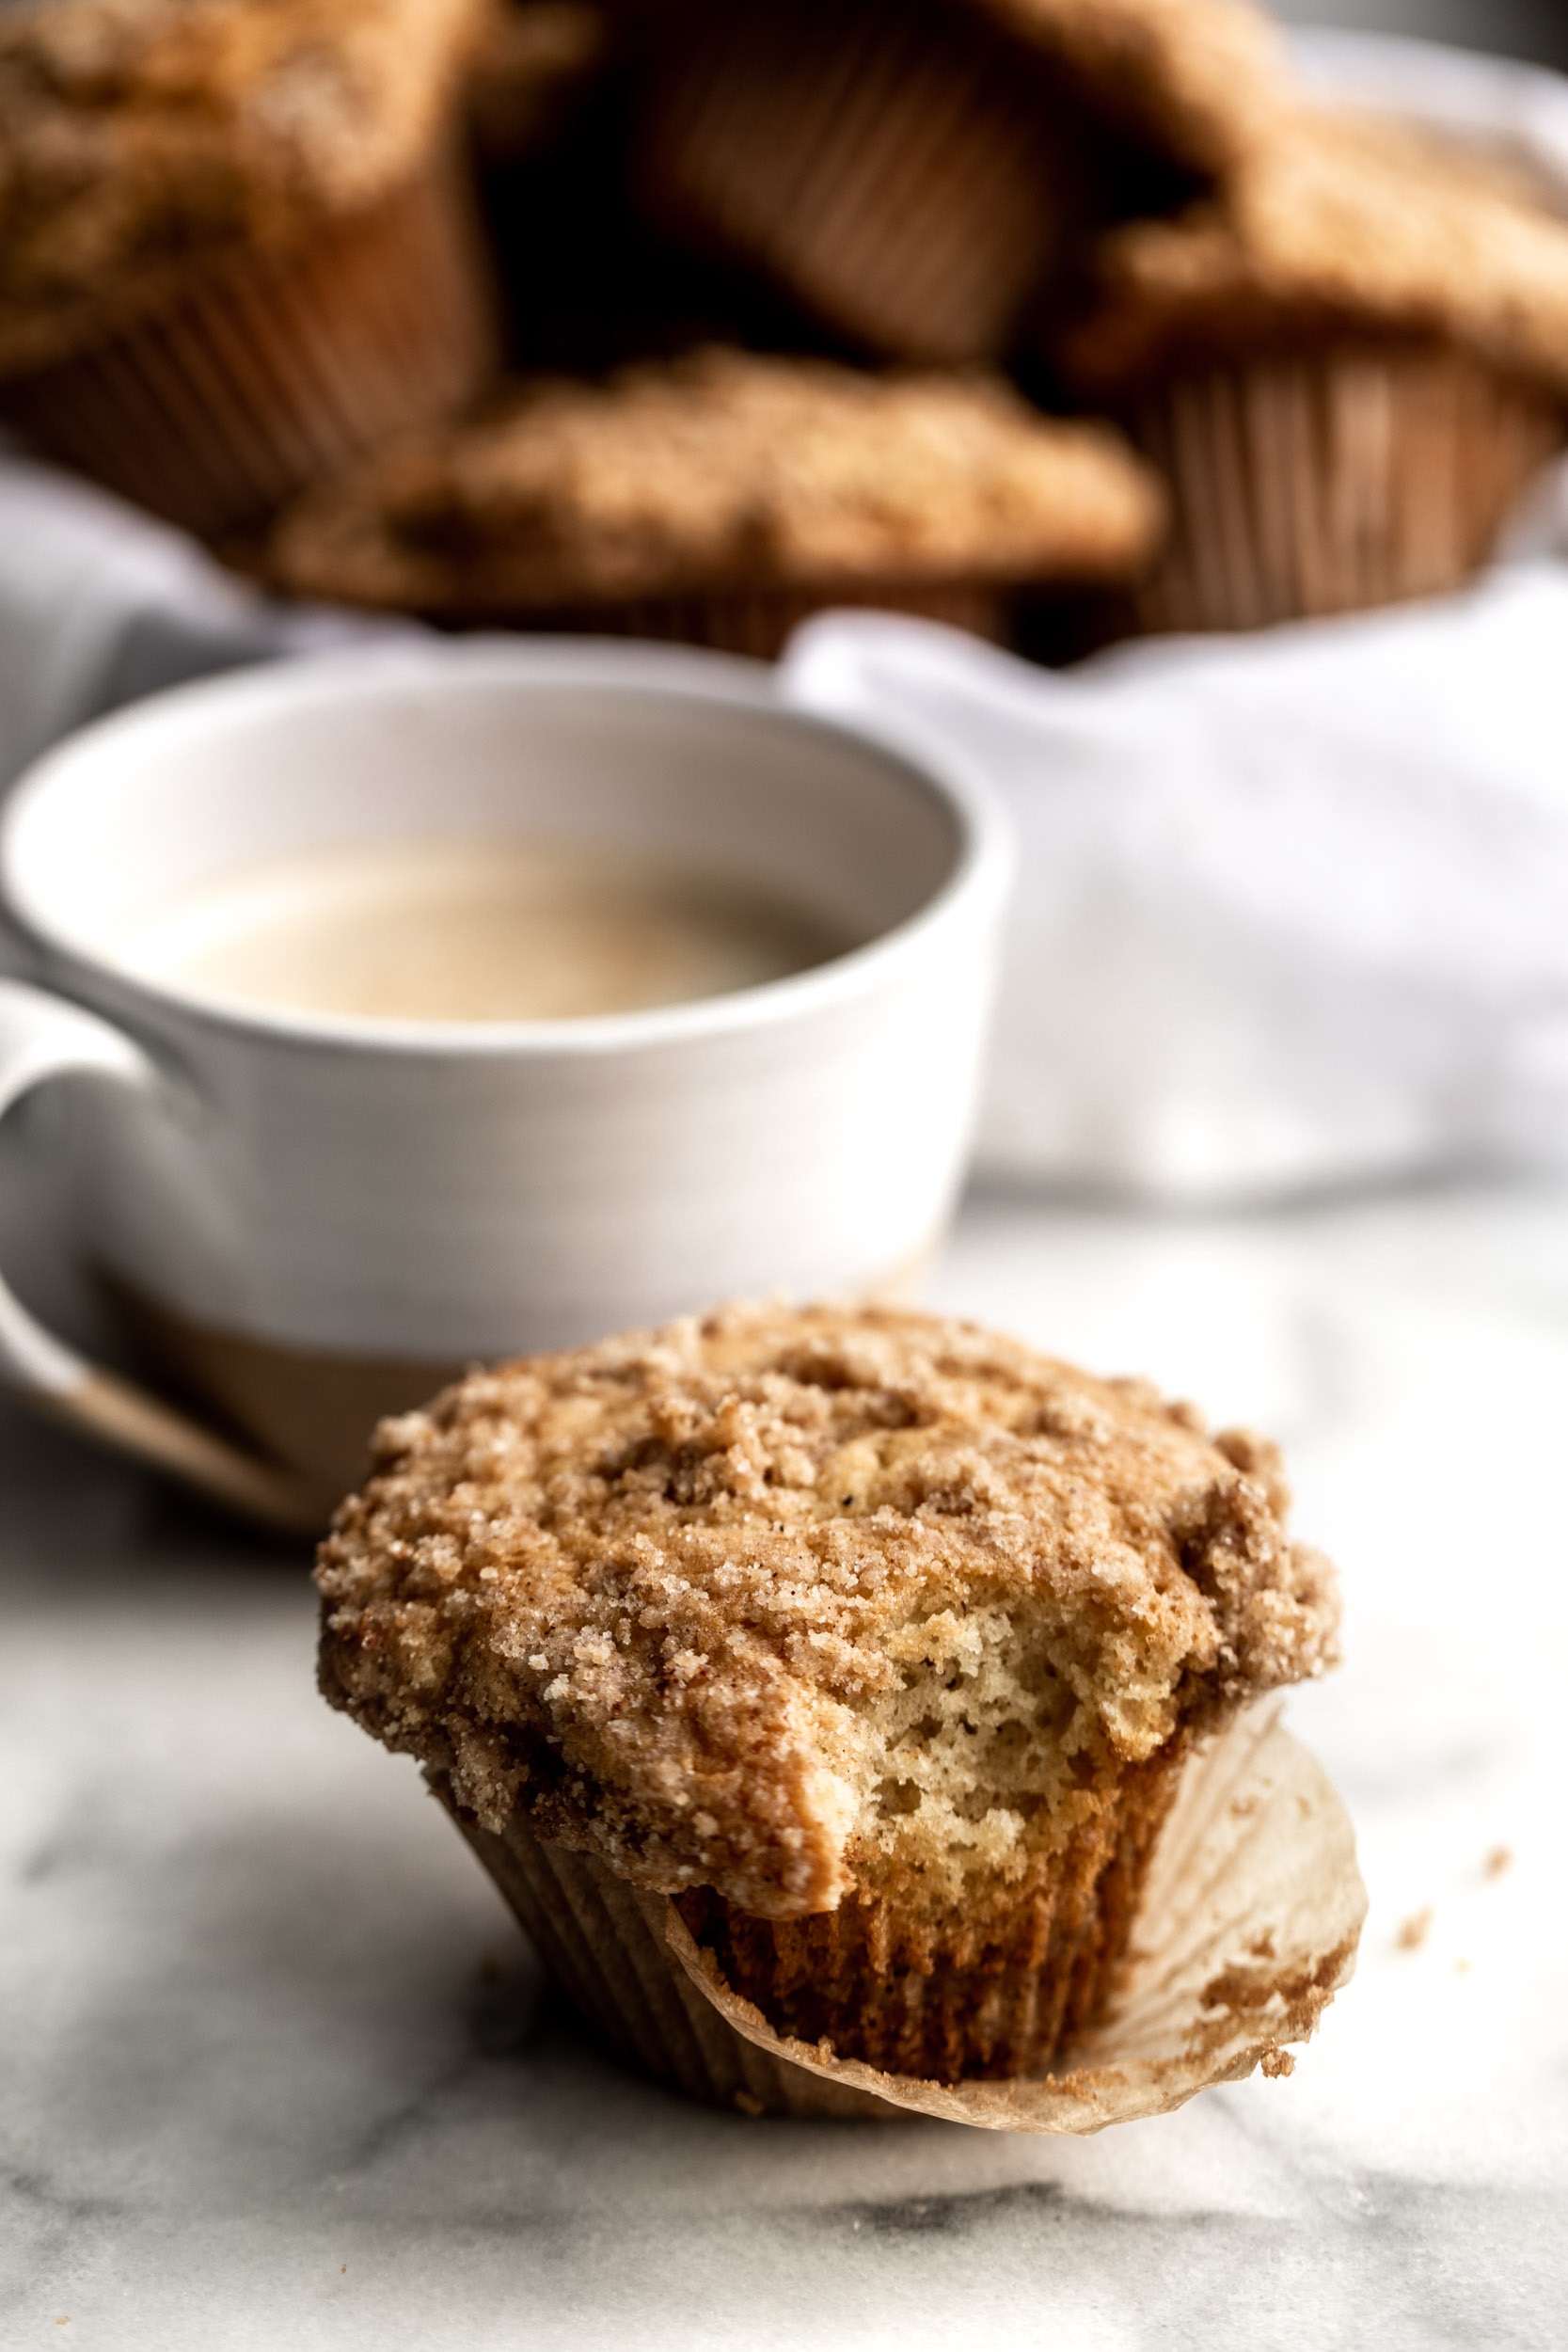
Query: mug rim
x,y
979,872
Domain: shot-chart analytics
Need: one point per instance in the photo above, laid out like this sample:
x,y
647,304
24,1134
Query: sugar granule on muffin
x,y
877,1640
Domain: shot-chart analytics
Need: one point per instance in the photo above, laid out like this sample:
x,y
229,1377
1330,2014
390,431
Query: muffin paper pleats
x,y
266,371
889,168
1312,484
610,1947
1251,1915
947,2000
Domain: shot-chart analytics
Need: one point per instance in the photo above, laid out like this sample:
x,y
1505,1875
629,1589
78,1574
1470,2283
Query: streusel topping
x,y
781,1603
724,469
1337,223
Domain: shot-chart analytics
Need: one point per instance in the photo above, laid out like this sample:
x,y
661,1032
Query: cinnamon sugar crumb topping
x,y
784,1602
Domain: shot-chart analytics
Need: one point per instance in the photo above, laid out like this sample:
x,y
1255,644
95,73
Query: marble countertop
x,y
277,2071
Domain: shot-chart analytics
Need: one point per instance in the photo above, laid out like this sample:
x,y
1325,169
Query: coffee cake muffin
x,y
235,247
877,1641
720,499
1347,367
912,172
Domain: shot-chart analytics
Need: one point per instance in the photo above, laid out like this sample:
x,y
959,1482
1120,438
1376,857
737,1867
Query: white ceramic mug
x,y
315,1218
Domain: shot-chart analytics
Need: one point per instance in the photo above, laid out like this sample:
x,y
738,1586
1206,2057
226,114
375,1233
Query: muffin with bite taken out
x,y
878,1643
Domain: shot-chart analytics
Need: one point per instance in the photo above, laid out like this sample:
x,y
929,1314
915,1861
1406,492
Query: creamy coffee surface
x,y
472,930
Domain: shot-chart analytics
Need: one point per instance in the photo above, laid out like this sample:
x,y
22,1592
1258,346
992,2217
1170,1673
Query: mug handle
x,y
44,1037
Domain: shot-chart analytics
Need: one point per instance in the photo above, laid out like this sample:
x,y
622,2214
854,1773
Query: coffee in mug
x,y
483,928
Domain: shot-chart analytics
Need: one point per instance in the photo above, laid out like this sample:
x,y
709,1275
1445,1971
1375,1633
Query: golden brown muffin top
x,y
138,136
1336,222
723,470
775,1598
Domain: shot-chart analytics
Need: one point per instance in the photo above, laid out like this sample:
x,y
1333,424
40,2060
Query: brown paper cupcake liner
x,y
1309,484
986,2004
893,172
1250,1914
608,1946
213,406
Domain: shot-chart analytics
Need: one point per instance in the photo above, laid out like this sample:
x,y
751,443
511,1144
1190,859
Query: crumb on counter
x,y
1413,1932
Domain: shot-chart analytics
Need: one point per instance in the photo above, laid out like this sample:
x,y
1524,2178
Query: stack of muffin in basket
x,y
1055,319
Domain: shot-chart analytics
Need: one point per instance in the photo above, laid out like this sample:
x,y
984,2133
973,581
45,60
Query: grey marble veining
x,y
275,2071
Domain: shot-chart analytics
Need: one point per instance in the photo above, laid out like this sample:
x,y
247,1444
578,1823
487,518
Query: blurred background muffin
x,y
722,498
588,281
912,172
1348,367
899,1742
235,241
242,267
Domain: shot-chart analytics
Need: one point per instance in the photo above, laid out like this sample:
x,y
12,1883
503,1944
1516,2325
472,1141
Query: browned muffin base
x,y
897,170
1311,483
246,381
902,1999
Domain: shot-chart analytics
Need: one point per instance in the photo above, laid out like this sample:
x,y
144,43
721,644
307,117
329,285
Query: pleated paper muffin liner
x,y
990,1999
898,175
1248,1924
1309,484
618,1954
261,374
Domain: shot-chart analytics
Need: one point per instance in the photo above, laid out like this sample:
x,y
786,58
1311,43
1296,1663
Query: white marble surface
x,y
274,2068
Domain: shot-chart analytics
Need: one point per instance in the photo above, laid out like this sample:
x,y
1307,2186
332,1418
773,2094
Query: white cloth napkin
x,y
1293,910
99,605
